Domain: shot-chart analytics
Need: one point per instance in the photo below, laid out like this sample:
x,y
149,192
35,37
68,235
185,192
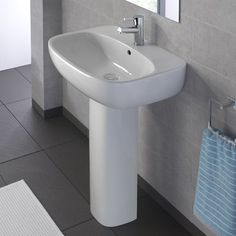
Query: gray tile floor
x,y
52,156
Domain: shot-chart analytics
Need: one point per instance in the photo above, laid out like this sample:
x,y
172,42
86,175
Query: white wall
x,y
15,39
76,103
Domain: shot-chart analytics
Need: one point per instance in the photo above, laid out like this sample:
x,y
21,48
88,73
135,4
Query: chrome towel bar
x,y
229,104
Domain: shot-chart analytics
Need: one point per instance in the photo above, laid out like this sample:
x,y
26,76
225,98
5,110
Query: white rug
x,y
21,214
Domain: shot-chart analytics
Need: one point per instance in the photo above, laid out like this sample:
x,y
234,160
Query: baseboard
x,y
47,114
76,122
168,207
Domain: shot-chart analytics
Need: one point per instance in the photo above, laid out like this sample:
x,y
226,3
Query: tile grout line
x,y
60,144
31,153
16,101
86,221
61,171
97,12
45,152
22,75
23,127
113,232
41,148
3,180
212,26
212,70
75,225
19,157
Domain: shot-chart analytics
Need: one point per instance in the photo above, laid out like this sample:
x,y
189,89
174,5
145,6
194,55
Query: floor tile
x,y
2,183
141,193
13,86
26,72
73,159
90,228
14,140
152,221
65,205
48,132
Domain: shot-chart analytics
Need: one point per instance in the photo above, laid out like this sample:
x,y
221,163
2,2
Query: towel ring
x,y
230,103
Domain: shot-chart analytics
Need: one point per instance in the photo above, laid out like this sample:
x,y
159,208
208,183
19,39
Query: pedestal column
x,y
113,164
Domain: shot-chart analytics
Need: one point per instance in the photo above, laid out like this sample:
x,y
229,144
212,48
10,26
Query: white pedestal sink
x,y
118,77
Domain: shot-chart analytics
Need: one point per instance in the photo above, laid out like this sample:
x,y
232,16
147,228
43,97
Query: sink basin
x,y
118,77
108,68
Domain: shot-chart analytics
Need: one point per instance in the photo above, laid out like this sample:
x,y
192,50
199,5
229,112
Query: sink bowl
x,y
108,68
118,77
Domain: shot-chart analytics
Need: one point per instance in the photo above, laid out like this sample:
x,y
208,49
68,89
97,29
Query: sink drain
x,y
111,76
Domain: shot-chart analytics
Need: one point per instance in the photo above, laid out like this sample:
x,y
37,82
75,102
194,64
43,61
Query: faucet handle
x,y
130,19
139,20
138,17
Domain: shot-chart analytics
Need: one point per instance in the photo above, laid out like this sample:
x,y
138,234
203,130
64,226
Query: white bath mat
x,y
21,214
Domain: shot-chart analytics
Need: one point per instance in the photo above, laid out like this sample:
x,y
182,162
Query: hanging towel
x,y
215,200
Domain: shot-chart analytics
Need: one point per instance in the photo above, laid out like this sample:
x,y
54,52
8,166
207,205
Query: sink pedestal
x,y
113,164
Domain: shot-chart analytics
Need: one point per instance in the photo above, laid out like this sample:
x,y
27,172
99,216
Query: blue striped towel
x,y
215,200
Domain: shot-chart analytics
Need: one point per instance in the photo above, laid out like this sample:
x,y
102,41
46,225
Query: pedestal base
x,y
113,164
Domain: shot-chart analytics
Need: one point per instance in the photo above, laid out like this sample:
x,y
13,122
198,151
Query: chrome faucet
x,y
137,29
